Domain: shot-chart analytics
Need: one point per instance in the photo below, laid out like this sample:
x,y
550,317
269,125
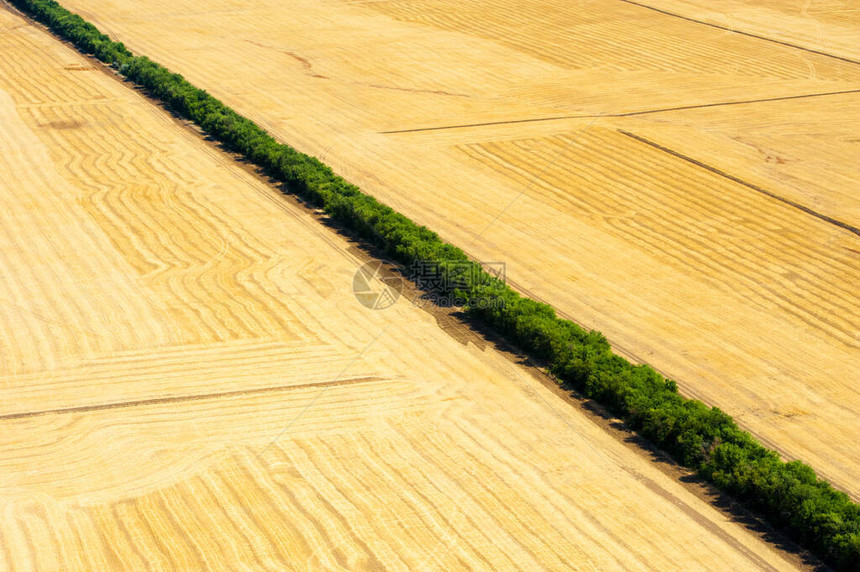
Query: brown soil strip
x,y
748,34
623,114
186,398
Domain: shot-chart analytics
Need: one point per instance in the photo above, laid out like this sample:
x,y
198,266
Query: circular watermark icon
x,y
374,287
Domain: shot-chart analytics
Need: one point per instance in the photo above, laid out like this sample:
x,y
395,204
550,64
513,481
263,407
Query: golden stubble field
x,y
187,381
672,184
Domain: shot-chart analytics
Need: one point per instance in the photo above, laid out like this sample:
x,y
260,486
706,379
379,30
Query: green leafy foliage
x,y
700,437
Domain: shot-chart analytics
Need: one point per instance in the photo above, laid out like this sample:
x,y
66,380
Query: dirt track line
x,y
624,114
185,398
733,31
759,562
756,188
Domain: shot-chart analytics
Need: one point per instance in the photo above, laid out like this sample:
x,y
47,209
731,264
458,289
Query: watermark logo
x,y
459,275
375,288
443,284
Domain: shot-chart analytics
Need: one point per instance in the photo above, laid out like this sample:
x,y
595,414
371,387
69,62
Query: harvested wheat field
x,y
684,180
188,381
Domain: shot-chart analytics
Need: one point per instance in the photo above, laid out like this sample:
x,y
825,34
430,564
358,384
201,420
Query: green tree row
x,y
704,438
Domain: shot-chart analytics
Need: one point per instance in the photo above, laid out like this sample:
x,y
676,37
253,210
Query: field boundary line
x,y
741,32
754,187
322,392
186,398
622,114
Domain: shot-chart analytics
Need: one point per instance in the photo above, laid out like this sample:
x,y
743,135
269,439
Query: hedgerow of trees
x,y
703,438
